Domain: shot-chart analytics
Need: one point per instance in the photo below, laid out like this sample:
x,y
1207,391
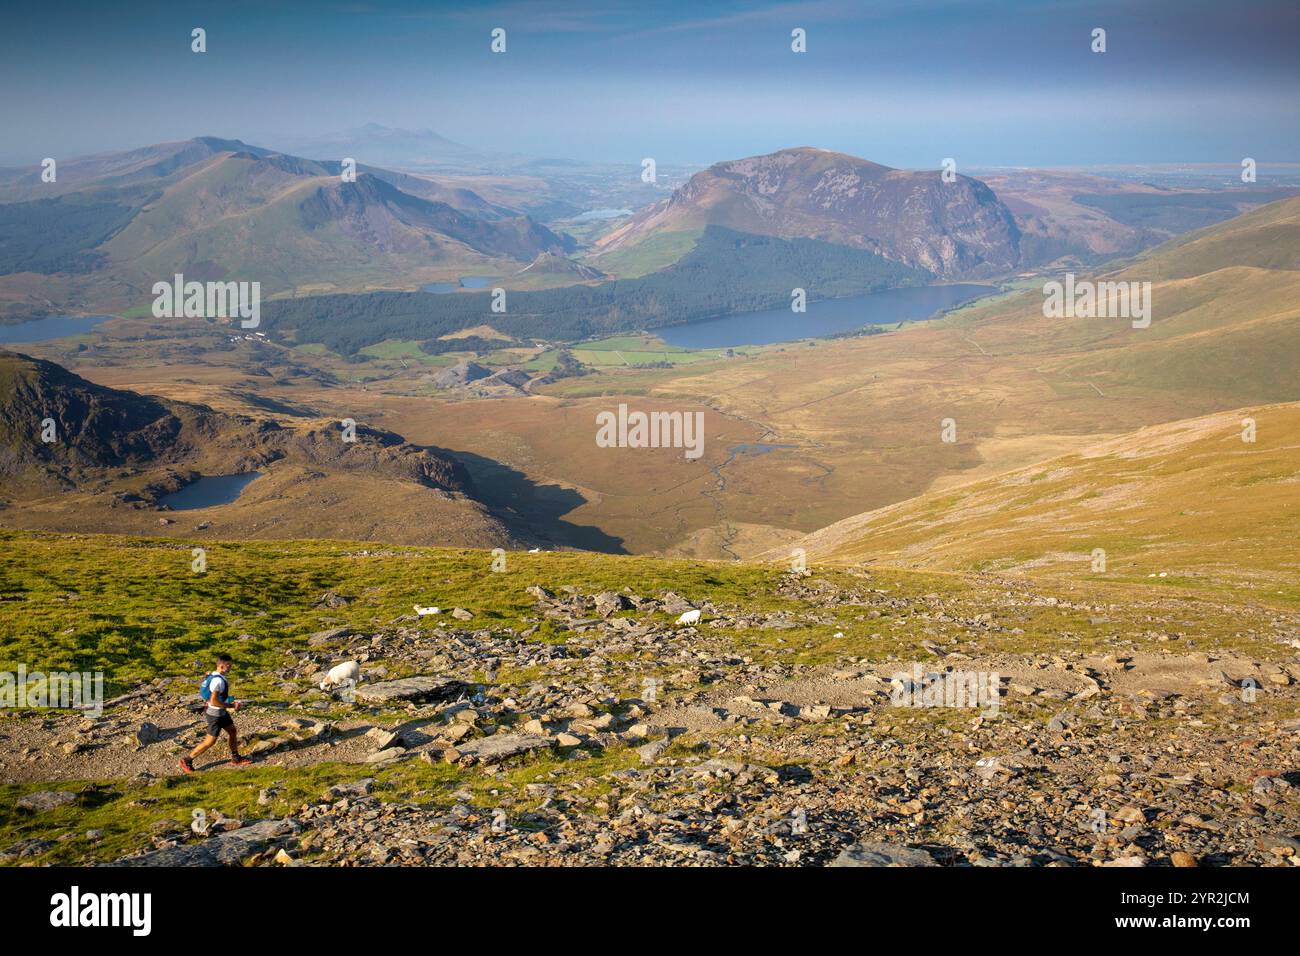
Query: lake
x,y
208,491
822,318
465,282
54,327
591,214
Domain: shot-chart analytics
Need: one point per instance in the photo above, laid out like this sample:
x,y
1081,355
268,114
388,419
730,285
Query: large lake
x,y
822,318
208,491
55,327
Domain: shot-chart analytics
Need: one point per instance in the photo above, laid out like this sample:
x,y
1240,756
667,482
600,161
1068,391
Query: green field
x,y
657,252
621,351
403,349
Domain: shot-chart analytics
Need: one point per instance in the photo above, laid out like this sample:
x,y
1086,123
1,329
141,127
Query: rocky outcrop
x,y
88,425
96,428
228,848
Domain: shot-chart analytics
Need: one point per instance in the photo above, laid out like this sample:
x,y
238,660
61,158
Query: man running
x,y
220,704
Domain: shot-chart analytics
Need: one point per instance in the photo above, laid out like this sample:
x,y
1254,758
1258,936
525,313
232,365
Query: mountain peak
x,y
221,145
950,229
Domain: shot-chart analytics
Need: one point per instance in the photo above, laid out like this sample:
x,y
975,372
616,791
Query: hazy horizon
x,y
905,84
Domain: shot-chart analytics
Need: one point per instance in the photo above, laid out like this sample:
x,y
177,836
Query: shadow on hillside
x,y
530,510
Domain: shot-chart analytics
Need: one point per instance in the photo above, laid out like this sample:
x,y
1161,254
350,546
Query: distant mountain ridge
x,y
112,225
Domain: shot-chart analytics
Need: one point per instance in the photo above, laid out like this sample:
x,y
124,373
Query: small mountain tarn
x,y
207,491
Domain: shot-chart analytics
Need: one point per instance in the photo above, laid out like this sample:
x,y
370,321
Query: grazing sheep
x,y
690,617
422,611
347,671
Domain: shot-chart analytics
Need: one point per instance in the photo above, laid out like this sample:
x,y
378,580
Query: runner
x,y
216,693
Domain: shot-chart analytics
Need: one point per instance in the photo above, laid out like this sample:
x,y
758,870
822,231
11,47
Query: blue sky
x,y
903,82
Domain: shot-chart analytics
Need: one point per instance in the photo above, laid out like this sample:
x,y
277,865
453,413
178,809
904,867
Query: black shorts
x,y
219,722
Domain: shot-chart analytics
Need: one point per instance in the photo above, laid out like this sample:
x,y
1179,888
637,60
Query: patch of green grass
x,y
657,252
133,609
395,349
130,813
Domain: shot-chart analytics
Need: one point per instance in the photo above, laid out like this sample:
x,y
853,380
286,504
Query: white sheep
x,y
422,611
690,617
339,673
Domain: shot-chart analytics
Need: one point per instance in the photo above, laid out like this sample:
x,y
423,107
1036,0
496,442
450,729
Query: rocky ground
x,y
636,740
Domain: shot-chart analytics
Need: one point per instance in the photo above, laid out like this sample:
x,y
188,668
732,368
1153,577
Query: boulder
x,y
321,638
358,789
869,853
383,738
148,734
225,849
651,752
610,602
500,747
43,800
412,689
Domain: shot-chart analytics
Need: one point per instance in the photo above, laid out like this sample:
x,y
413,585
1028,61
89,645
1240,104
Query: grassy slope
x,y
1268,237
624,350
654,253
1190,499
133,608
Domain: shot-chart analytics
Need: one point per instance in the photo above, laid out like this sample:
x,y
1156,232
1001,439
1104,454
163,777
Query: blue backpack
x,y
205,689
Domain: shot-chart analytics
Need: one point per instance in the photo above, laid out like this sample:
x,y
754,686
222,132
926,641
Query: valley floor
x,y
573,722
